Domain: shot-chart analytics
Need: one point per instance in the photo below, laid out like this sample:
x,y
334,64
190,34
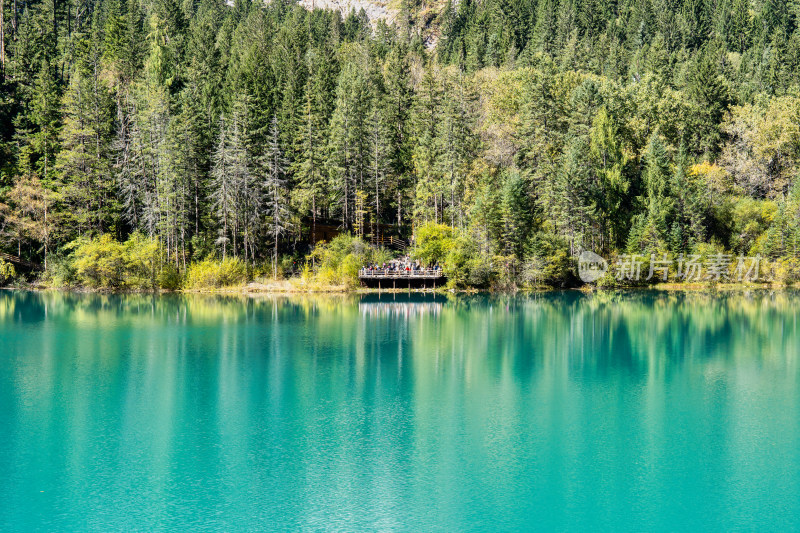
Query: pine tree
x,y
517,215
609,160
312,115
690,208
114,35
569,203
399,98
144,144
133,51
84,162
456,143
710,98
379,144
45,118
348,148
650,232
697,22
739,33
223,192
276,195
187,183
130,169
543,127
246,184
566,27
429,187
234,190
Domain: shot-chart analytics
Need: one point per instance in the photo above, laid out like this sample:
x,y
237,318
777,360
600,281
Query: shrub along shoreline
x,y
140,264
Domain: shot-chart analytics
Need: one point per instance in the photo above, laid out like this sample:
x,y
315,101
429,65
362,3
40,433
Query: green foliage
x,y
99,263
7,272
337,262
60,271
751,219
782,239
143,257
210,274
104,263
458,261
433,243
466,266
170,278
550,263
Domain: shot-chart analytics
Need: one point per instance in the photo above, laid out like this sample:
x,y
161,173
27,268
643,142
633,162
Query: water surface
x,y
637,411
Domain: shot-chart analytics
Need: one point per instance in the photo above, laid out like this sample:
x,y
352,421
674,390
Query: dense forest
x,y
499,138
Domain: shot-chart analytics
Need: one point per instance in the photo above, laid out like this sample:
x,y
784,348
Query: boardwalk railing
x,y
391,241
21,262
425,273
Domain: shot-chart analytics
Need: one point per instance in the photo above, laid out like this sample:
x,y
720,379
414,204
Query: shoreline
x,y
286,287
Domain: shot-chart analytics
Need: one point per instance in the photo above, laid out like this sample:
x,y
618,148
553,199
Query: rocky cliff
x,y
375,9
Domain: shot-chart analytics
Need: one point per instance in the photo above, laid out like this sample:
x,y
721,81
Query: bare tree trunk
x,y
377,193
2,41
224,237
275,250
196,208
235,231
46,231
346,193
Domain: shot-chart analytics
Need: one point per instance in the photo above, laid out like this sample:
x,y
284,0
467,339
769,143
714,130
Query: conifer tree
x,y
379,142
348,149
456,143
710,98
650,229
223,190
45,119
84,162
739,34
609,160
427,112
399,98
276,195
309,160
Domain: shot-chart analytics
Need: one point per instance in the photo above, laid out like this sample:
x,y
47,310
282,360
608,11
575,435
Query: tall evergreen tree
x,y
430,190
710,99
276,195
312,122
348,149
84,162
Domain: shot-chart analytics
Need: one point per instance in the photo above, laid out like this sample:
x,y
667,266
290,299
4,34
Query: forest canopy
x,y
521,131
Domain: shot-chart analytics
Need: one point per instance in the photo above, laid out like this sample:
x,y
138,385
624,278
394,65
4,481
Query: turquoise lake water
x,y
617,412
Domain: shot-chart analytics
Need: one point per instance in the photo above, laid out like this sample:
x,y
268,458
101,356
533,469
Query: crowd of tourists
x,y
402,265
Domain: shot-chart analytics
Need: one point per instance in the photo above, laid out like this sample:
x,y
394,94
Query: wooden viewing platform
x,y
20,262
393,279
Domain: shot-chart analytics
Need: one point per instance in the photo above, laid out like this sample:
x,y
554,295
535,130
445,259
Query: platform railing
x,y
16,260
381,273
